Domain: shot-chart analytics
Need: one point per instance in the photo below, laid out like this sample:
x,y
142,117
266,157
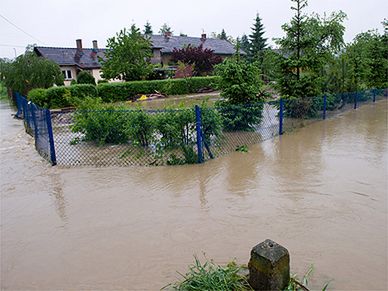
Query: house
x,y
74,60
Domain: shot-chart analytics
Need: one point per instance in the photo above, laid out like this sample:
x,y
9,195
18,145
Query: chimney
x,y
79,44
203,36
95,46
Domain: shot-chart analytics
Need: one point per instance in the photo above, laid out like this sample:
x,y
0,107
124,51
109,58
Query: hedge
x,y
65,96
62,96
112,92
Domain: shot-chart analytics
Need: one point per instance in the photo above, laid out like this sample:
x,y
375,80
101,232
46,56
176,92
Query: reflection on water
x,y
321,191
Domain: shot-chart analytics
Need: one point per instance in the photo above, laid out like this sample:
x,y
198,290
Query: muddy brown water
x,y
321,191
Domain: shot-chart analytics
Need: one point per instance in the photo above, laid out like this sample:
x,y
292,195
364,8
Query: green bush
x,y
83,90
103,124
211,123
39,97
113,92
242,117
85,77
62,96
241,108
140,127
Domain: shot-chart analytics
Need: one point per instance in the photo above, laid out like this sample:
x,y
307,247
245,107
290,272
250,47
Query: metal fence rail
x,y
135,137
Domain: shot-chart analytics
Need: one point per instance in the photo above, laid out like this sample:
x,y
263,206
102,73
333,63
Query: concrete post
x,y
269,266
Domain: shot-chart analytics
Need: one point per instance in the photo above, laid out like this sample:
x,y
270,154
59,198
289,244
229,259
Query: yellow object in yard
x,y
143,97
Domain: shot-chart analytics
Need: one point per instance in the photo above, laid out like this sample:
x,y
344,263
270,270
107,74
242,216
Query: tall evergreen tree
x,y
222,35
148,29
257,41
245,45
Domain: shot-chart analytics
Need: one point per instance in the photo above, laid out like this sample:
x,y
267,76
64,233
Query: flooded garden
x,y
320,191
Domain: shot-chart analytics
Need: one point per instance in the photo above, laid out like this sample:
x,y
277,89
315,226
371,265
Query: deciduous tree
x,y
127,56
202,59
165,28
29,71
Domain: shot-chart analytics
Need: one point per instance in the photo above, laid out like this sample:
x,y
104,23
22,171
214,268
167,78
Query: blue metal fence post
x,y
324,106
53,157
198,127
355,100
281,116
374,94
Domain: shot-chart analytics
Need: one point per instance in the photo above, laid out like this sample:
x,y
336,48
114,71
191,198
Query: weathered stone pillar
x,y
269,266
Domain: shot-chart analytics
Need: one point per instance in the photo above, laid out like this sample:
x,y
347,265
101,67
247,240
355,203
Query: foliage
x,y
245,45
296,284
140,127
210,276
222,35
165,29
366,62
309,44
85,77
240,116
113,92
242,148
257,42
148,29
184,71
127,56
239,81
240,84
202,59
270,67
3,91
29,71
103,124
212,123
61,96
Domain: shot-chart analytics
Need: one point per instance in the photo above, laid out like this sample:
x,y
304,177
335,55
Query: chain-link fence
x,y
37,122
117,136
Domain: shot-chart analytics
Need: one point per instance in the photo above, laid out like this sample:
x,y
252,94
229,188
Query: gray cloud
x,y
59,23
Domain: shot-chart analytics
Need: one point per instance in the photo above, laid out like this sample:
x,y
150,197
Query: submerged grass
x,y
212,277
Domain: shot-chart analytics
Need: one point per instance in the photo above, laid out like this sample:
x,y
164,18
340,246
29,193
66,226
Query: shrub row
x,y
113,92
62,96
163,130
56,97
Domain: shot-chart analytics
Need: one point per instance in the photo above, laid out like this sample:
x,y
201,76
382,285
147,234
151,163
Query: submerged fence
x,y
37,122
123,137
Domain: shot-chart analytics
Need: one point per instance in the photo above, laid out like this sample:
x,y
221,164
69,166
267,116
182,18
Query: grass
x,y
212,277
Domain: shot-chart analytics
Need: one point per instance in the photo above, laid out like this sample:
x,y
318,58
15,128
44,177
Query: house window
x,y
67,74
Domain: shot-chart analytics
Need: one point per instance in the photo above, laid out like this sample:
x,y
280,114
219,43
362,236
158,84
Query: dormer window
x,y
67,74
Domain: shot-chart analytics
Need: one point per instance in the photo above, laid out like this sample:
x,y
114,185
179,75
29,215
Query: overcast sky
x,y
59,23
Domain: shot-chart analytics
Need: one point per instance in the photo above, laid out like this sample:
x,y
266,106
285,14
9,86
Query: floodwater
x,y
320,191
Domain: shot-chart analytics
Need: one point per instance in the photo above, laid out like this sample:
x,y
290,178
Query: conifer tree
x,y
223,35
245,45
148,28
257,41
